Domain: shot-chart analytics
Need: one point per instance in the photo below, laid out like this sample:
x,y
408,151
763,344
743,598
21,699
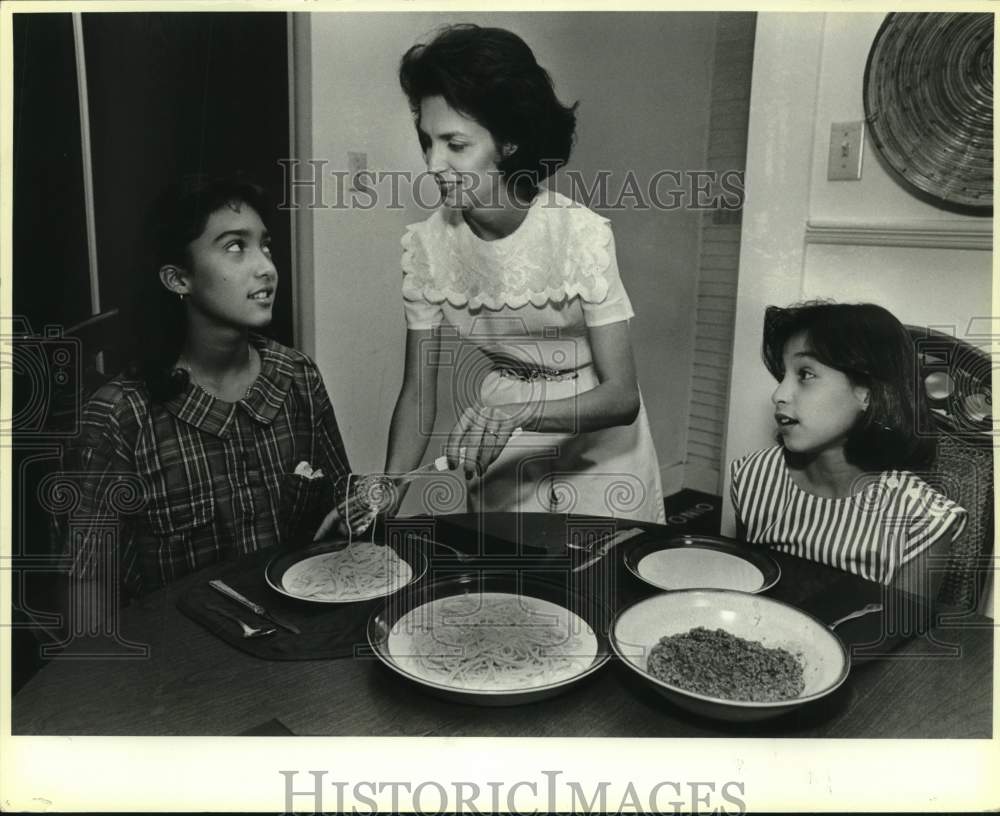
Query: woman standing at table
x,y
556,422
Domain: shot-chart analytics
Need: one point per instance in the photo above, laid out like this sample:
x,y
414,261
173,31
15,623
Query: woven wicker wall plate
x,y
928,96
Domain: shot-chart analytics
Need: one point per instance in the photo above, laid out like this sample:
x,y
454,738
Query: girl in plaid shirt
x,y
188,457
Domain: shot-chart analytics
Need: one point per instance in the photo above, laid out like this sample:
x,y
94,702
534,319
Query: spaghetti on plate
x,y
492,641
359,572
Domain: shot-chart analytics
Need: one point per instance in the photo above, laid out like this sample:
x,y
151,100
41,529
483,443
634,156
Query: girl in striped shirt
x,y
840,487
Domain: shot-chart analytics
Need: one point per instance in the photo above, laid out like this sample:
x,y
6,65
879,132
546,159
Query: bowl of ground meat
x,y
730,655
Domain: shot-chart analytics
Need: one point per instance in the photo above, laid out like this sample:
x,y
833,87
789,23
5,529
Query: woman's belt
x,y
529,372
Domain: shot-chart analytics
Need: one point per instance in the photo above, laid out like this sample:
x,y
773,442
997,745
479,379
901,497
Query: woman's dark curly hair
x,y
158,321
491,75
875,351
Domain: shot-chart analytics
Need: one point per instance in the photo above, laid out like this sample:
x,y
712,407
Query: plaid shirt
x,y
195,480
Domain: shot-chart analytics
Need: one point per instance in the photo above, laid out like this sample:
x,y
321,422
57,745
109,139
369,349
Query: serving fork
x,y
857,613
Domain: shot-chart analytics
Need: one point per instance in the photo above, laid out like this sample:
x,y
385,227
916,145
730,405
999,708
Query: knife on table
x,y
257,609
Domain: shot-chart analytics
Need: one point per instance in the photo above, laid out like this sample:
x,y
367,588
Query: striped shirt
x,y
887,521
194,480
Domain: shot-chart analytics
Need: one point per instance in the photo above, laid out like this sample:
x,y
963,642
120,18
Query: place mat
x,y
327,630
877,634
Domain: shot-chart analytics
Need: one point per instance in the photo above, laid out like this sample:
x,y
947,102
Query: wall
x,y
642,82
779,162
847,39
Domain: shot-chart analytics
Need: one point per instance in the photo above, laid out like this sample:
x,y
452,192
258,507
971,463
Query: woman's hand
x,y
479,437
482,433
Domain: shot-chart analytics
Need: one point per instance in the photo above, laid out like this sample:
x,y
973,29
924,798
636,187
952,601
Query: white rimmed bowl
x,y
825,661
692,561
586,612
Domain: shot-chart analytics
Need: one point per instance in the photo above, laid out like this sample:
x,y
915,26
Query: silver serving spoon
x,y
248,630
857,613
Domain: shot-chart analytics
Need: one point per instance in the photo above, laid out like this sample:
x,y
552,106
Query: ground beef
x,y
717,664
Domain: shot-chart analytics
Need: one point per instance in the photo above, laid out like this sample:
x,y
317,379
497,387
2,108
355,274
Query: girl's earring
x,y
181,296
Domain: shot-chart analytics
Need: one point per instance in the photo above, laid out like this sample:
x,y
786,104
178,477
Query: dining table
x,y
926,674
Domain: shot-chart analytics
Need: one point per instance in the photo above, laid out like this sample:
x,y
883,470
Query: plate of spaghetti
x,y
331,573
491,639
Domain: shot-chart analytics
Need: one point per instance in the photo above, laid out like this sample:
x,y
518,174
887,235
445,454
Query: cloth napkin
x,y
327,630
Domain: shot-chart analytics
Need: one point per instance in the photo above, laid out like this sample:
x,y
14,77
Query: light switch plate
x,y
847,141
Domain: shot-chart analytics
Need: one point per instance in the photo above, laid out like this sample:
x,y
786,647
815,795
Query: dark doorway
x,y
180,93
168,94
50,283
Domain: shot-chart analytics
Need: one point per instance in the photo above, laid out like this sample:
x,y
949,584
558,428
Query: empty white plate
x,y
703,562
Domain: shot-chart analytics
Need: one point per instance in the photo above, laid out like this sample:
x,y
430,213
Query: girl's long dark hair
x,y
157,321
868,344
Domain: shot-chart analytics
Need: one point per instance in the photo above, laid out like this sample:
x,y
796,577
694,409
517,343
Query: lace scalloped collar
x,y
560,251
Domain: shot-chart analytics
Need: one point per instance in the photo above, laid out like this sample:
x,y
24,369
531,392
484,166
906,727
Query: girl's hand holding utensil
x,y
368,497
339,525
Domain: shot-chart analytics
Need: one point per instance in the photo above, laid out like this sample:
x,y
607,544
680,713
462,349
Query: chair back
x,y
55,371
100,347
956,377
